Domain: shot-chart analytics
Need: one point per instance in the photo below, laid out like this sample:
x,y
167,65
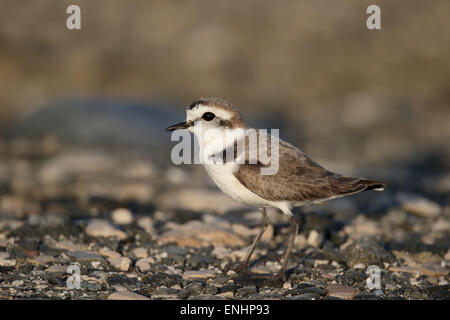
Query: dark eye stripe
x,y
208,116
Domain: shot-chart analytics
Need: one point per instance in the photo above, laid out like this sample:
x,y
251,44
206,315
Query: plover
x,y
298,180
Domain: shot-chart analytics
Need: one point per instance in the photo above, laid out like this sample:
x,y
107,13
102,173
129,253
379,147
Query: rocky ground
x,y
140,231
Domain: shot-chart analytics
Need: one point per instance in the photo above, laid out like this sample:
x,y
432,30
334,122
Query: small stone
x,y
200,274
314,239
147,224
124,294
85,256
140,253
318,263
199,234
70,246
427,269
447,255
102,228
42,260
287,285
4,255
17,283
305,296
143,265
220,252
300,242
419,206
121,263
365,251
7,262
245,291
108,253
57,269
341,291
193,288
227,294
194,200
122,216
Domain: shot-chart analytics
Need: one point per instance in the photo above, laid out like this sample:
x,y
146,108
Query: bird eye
x,y
208,116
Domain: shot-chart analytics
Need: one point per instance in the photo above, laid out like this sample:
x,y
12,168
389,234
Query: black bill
x,y
181,125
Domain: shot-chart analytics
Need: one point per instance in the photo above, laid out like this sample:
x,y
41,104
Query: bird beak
x,y
181,125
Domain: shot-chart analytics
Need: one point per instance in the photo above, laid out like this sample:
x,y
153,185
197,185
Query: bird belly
x,y
222,175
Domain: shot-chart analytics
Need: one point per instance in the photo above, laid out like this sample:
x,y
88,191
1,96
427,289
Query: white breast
x,y
222,175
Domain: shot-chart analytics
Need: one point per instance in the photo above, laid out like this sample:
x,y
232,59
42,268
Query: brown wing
x,y
299,179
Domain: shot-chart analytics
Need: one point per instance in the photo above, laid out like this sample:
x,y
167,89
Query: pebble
x,y
315,239
300,242
7,262
122,216
200,274
245,291
85,256
124,294
102,228
108,253
194,199
341,291
121,263
139,253
57,269
447,255
365,251
146,223
143,265
287,285
419,206
427,269
42,260
198,234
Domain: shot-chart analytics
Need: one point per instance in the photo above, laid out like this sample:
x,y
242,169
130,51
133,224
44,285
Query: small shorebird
x,y
298,180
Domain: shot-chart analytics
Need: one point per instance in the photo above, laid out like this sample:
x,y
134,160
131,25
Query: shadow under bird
x,y
297,181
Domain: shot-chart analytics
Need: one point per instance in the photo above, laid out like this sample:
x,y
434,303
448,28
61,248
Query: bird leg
x,y
264,226
294,229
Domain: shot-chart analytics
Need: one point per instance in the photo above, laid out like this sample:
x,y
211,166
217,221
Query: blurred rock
x,y
123,294
428,269
66,165
342,292
143,265
361,227
122,216
120,263
85,256
200,274
139,253
102,228
419,206
367,252
46,224
197,234
5,261
198,200
315,239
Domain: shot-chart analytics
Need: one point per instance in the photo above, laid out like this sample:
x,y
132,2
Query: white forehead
x,y
200,109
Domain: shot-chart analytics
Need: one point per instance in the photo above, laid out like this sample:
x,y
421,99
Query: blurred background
x,y
361,102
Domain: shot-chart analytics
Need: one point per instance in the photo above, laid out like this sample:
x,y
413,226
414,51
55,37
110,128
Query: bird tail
x,y
349,185
374,185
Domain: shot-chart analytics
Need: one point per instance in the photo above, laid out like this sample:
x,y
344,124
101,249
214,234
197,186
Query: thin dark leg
x,y
294,229
264,226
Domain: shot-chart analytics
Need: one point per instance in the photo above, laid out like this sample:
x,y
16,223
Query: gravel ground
x,y
139,231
